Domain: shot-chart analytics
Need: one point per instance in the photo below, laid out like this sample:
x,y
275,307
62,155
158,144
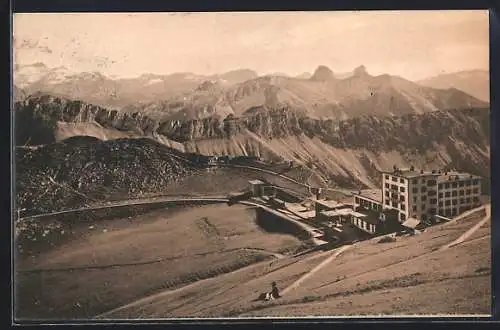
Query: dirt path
x,y
146,262
469,232
159,199
315,269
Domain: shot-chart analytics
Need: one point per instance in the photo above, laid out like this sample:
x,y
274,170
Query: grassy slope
x,y
405,277
198,243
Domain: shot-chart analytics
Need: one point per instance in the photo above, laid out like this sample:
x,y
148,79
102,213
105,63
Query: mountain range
x,y
186,96
473,82
346,127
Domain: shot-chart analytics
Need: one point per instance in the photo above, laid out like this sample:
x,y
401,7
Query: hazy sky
x,y
413,44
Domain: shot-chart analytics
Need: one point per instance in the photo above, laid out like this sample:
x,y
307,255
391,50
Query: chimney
x,y
412,168
433,171
421,171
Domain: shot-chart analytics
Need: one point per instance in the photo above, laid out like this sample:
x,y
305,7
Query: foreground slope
x,y
102,264
410,276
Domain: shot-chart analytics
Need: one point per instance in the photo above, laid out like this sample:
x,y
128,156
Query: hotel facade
x,y
423,195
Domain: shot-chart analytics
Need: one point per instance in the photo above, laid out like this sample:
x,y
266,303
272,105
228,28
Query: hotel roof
x,y
255,182
456,176
411,223
306,214
407,173
373,194
334,213
329,203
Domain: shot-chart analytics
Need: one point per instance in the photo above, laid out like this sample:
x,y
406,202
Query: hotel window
x,y
433,201
394,187
387,202
440,204
424,198
454,202
467,192
414,209
440,195
431,183
403,207
447,194
423,207
447,212
387,193
454,185
395,204
356,199
414,190
402,189
461,184
468,183
461,192
447,203
467,200
402,217
453,212
423,181
475,182
432,211
401,180
423,189
475,190
440,186
394,179
462,200
402,198
431,193
454,193
414,199
446,185
386,177
414,181
475,199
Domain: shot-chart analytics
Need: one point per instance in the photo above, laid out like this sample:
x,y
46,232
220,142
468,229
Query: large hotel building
x,y
422,195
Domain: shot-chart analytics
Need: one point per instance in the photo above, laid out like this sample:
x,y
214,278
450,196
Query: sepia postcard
x,y
236,165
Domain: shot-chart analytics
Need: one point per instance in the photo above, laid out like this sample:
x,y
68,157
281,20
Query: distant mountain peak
x,y
360,71
322,73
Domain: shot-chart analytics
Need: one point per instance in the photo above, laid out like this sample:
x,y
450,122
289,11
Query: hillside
x,y
83,170
413,275
349,152
473,82
153,251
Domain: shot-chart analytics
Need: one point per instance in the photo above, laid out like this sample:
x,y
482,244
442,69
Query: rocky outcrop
x,y
81,170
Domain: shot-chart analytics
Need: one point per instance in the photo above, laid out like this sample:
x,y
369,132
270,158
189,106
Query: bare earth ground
x,y
123,260
409,276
